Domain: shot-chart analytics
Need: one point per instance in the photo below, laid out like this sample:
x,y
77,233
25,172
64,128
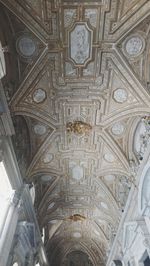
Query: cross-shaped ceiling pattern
x,y
83,85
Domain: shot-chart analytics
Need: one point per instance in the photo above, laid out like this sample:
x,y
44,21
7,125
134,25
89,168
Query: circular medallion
x,y
39,129
48,158
109,178
77,235
26,46
39,95
117,129
109,157
46,178
120,95
134,45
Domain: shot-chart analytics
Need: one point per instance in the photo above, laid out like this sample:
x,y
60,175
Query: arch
x,y
77,255
82,246
138,138
21,143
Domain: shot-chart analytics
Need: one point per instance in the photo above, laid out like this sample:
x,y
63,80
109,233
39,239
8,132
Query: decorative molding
x,y
129,234
78,99
143,195
6,125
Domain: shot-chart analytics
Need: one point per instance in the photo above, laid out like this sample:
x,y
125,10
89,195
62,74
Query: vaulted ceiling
x,y
77,84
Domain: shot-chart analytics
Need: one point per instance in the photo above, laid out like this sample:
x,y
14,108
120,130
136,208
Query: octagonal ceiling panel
x,y
80,39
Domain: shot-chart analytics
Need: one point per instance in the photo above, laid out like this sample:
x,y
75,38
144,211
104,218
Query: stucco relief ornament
x,y
77,234
134,45
69,17
118,129
26,45
78,127
39,129
144,138
39,95
48,158
146,243
120,95
126,181
109,157
133,167
146,120
91,14
133,172
80,39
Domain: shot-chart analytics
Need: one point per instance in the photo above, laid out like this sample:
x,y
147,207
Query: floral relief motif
x,y
69,17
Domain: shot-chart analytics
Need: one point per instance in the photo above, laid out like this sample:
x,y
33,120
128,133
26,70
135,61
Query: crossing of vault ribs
x,y
97,93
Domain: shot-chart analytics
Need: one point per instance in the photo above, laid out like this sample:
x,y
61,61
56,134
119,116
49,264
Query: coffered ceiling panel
x,y
84,85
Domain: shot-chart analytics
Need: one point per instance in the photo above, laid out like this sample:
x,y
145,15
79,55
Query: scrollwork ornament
x,y
144,138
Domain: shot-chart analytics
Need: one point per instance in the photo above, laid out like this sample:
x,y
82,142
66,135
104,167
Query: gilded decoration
x,y
78,127
77,217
